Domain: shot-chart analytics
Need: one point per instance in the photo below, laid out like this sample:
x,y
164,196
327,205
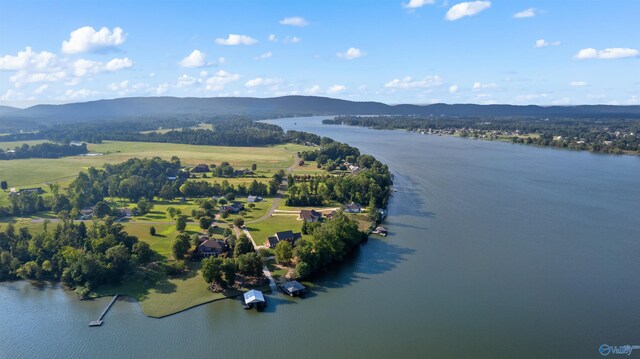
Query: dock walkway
x,y
98,322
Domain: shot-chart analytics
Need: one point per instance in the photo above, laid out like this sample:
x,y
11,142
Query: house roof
x,y
293,286
352,205
287,235
381,229
273,241
253,296
310,214
212,244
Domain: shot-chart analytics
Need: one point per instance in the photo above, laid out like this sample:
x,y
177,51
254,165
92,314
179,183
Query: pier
x,y
98,322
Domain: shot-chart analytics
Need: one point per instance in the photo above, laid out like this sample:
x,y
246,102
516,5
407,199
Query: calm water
x,y
495,251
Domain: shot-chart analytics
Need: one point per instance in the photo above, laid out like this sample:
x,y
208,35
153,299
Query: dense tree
x,y
152,230
205,222
181,245
181,223
3,185
243,245
284,252
249,264
101,209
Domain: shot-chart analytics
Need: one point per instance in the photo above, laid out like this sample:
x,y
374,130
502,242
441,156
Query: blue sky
x,y
416,51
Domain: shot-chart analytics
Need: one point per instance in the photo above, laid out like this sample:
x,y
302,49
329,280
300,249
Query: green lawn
x,y
39,171
261,230
13,144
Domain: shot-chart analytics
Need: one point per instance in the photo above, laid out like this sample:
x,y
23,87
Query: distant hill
x,y
167,107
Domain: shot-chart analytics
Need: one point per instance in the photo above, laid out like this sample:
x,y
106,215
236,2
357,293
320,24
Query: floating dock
x,y
98,322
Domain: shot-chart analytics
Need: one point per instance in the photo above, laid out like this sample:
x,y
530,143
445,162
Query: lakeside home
x,y
289,236
310,216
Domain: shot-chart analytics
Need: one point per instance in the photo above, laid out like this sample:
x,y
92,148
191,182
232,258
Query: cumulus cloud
x,y
118,64
351,53
530,12
609,53
336,89
195,59
259,81
292,40
453,88
28,59
479,85
543,43
220,79
235,39
185,80
264,56
83,67
414,4
87,39
40,89
294,21
463,9
272,38
408,82
578,83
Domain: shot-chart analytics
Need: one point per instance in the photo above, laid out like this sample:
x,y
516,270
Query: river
x,y
495,250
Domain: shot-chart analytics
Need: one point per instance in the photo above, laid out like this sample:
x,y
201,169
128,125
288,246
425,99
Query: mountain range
x,y
166,107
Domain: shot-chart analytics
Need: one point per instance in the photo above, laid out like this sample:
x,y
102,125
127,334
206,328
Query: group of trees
x,y
207,189
43,150
331,242
81,257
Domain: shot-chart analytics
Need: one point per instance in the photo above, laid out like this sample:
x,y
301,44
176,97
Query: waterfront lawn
x,y
276,223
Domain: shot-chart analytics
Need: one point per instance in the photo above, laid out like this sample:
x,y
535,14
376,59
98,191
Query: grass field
x,y
261,230
39,171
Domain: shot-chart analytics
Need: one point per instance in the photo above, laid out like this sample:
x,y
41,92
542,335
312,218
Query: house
x,y
125,212
76,143
293,288
234,207
37,190
330,214
381,231
252,199
352,208
310,215
288,236
254,299
172,178
211,247
201,168
86,213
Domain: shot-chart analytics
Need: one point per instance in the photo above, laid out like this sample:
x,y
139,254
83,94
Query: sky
x,y
413,51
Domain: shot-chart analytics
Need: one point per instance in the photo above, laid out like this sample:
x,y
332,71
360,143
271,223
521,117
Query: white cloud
x,y
463,9
259,81
479,85
266,55
159,89
292,40
87,39
543,43
578,83
195,59
83,67
220,79
294,21
610,53
78,94
351,53
530,12
235,39
28,59
561,101
408,82
185,81
453,88
336,89
40,89
123,85
414,4
118,64
313,90
272,38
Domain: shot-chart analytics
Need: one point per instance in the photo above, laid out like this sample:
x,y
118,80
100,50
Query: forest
x,y
43,150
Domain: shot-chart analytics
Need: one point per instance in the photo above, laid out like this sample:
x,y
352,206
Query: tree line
x,y
43,150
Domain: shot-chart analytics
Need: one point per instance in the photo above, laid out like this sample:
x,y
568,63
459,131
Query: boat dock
x,y
98,322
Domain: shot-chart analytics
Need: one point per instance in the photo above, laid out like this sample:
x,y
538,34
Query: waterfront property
x,y
288,236
254,299
293,288
211,247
